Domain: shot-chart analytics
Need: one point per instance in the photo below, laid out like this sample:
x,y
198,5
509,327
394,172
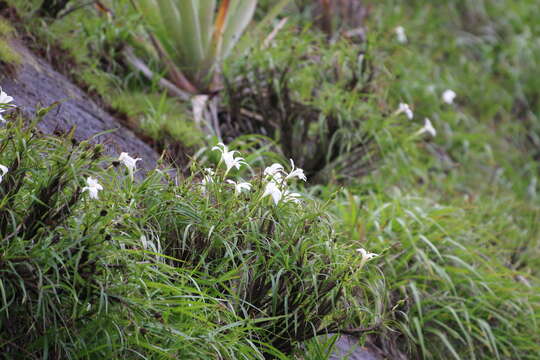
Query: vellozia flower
x,y
129,162
208,176
92,188
5,100
3,170
405,109
366,256
274,191
428,127
228,157
274,171
240,186
296,172
293,197
448,96
400,34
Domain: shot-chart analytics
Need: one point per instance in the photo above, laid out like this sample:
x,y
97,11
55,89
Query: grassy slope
x,y
456,217
461,272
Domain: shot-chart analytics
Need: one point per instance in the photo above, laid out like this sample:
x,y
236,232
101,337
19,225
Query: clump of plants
x,y
446,288
311,98
95,263
284,268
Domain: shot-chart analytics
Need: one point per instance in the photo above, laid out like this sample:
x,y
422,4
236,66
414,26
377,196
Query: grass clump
x,y
76,282
312,98
154,268
446,286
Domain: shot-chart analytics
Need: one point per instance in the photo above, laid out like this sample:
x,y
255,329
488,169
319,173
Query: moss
x,y
160,117
8,55
5,28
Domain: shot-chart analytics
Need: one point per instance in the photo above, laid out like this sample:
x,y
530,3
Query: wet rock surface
x,y
36,84
348,348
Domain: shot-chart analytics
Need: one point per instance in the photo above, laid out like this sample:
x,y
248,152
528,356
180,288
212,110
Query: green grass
x,y
454,218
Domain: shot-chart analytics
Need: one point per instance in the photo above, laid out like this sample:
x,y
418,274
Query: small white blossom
x,y
92,188
405,109
129,162
4,170
448,96
366,256
296,172
400,34
240,186
428,127
5,100
291,197
274,171
273,190
228,157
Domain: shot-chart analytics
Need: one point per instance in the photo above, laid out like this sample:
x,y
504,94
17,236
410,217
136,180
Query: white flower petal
x,y
129,162
296,172
273,190
448,96
405,108
93,188
4,170
400,34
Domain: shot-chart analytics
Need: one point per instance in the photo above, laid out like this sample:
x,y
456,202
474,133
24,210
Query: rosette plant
x,y
193,36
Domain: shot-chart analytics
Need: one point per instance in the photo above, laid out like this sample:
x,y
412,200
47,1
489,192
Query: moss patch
x,y
7,54
159,117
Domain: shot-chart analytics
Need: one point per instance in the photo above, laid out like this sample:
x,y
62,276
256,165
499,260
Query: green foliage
x,y
160,117
448,285
154,267
314,100
192,38
76,281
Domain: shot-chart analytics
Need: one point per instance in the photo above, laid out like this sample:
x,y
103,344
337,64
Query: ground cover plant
x,y
415,125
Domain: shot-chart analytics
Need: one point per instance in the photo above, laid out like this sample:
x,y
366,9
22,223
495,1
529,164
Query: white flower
x,y
92,188
273,190
366,256
239,187
4,170
400,34
428,127
228,157
129,162
448,96
274,171
5,100
296,172
404,108
291,197
207,179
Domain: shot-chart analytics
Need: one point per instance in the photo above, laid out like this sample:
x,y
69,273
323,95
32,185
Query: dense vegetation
x,y
417,230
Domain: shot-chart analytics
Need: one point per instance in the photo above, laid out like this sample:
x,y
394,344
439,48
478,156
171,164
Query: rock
x,y
347,348
35,83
